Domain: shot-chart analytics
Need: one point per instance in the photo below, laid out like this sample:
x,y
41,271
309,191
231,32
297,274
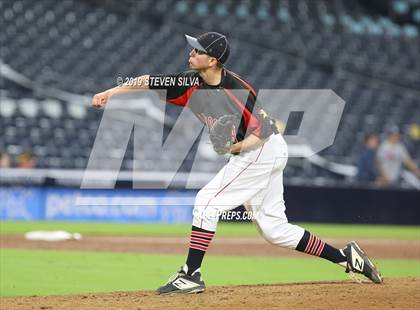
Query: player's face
x,y
394,138
199,60
373,142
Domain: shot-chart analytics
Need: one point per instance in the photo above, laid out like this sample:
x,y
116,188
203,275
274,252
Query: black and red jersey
x,y
232,95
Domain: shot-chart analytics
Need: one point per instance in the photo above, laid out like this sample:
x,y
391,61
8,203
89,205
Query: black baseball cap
x,y
213,43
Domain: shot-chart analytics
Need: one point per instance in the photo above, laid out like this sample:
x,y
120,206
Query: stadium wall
x,y
304,204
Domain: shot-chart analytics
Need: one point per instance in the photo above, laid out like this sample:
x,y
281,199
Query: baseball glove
x,y
221,133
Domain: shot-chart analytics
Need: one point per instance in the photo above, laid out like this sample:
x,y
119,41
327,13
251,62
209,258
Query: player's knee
x,y
281,234
265,231
268,238
274,231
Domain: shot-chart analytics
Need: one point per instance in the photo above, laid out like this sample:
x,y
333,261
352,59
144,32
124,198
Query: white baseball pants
x,y
253,179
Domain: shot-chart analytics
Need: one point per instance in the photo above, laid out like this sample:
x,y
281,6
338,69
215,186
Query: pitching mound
x,y
392,294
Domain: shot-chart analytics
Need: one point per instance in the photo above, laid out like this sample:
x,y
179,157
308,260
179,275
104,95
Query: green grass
x,y
224,229
36,272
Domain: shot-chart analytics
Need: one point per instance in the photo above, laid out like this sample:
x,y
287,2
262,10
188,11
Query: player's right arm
x,y
140,83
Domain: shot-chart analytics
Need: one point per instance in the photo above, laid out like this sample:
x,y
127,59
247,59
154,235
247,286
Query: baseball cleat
x,y
359,262
182,283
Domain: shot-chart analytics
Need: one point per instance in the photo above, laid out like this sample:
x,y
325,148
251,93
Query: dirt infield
x,y
409,249
392,294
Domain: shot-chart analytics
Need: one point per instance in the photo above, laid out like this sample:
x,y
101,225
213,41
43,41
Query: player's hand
x,y
99,100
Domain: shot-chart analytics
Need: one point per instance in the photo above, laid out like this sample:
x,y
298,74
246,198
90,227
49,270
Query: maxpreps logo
x,y
321,112
225,215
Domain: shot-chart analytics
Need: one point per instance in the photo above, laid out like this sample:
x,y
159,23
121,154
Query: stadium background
x,y
56,55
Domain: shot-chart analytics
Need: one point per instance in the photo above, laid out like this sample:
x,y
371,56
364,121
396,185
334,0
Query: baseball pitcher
x,y
252,177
